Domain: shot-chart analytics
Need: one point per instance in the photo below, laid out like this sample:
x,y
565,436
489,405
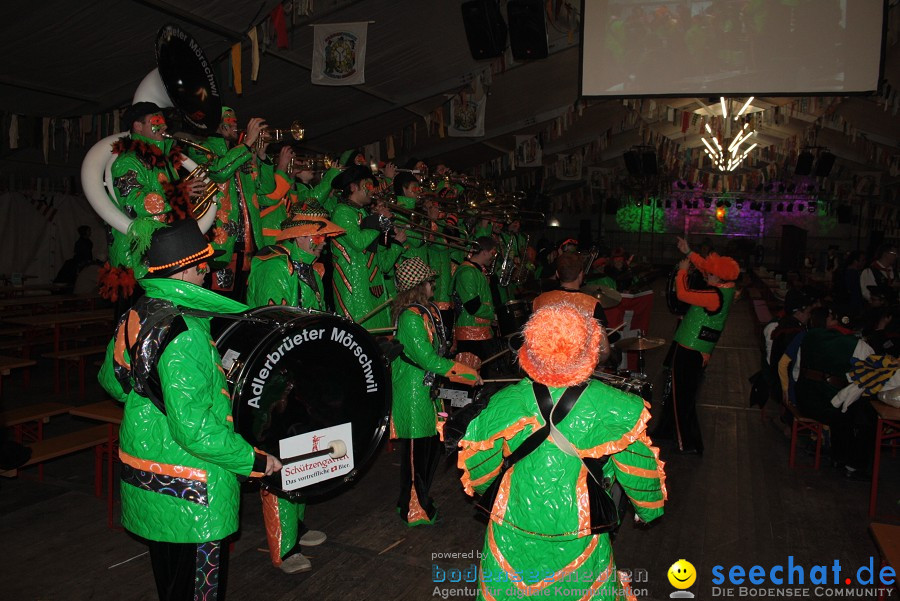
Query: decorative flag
x,y
254,53
528,151
339,54
568,166
236,68
467,113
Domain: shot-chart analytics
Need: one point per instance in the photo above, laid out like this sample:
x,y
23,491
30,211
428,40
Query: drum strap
x,y
549,413
160,324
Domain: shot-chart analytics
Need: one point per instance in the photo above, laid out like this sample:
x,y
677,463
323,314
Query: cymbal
x,y
639,344
607,296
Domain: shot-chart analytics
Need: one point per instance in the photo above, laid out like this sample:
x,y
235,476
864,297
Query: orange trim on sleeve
x,y
282,187
635,471
708,299
614,446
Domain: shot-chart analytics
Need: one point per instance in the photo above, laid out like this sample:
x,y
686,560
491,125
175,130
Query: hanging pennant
x,y
339,54
528,151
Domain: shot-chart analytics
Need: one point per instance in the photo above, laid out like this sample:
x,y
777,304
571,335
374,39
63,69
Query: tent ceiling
x,y
67,59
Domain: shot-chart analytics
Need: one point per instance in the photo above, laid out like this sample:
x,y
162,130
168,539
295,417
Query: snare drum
x,y
629,381
301,381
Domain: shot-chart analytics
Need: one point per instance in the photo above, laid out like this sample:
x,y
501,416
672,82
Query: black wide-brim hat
x,y
351,175
177,247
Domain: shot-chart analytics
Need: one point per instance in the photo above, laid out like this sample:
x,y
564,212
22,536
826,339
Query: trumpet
x,y
198,206
270,134
312,163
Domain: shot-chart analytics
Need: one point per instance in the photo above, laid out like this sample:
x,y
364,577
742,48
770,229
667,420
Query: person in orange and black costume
x,y
570,273
696,337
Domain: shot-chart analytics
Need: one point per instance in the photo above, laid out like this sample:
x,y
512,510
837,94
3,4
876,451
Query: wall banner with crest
x,y
339,54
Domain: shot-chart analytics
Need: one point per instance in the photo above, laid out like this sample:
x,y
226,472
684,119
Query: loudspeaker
x,y
648,163
633,162
485,28
793,247
641,164
844,214
804,163
527,29
824,164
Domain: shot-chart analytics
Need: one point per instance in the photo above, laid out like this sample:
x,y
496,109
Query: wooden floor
x,y
738,504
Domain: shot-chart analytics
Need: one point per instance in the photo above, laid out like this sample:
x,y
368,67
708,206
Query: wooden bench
x,y
40,413
10,363
78,355
887,539
65,444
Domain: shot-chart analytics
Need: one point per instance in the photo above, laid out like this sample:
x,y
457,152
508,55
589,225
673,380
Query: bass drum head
x,y
295,372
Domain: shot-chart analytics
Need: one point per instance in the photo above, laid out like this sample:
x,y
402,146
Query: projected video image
x,y
643,47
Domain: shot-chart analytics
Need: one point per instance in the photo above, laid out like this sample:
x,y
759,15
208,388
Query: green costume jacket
x,y
358,268
471,283
255,181
320,194
179,469
140,179
540,522
413,411
283,275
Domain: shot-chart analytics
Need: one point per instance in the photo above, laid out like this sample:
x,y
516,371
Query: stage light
x,y
668,204
739,205
768,207
554,222
720,213
800,208
812,206
780,207
790,208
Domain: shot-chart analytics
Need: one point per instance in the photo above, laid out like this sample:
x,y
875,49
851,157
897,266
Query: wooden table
x,y
57,321
111,413
887,539
888,428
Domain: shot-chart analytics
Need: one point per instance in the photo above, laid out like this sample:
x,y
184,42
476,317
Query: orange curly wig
x,y
562,345
725,268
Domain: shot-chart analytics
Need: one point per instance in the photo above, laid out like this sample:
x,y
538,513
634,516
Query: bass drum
x,y
294,373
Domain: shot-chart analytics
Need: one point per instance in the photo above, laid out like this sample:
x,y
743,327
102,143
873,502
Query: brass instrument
x,y
200,205
521,272
270,134
425,230
313,163
507,266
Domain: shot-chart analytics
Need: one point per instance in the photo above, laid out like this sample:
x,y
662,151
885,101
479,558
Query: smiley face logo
x,y
682,574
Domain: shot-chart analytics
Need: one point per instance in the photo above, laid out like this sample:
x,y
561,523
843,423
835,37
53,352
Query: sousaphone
x,y
183,79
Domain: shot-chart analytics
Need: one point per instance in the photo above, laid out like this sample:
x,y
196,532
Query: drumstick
x,y
501,380
375,311
335,449
492,357
616,329
381,330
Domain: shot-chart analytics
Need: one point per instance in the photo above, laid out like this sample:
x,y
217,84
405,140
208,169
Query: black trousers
x,y
852,432
679,416
189,571
419,458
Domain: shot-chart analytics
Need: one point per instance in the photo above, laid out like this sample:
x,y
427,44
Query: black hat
x,y
352,175
795,300
138,111
177,247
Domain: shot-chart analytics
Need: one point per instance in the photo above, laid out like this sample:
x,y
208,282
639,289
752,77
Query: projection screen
x,y
731,47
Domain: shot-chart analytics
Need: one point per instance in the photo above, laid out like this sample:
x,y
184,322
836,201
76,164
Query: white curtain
x,y
32,245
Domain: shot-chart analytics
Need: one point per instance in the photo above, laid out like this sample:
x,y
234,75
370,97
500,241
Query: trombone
x,y
458,244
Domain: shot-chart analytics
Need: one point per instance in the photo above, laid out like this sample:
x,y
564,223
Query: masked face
x,y
228,127
152,126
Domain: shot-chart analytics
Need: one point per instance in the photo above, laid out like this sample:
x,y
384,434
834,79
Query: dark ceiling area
x,y
66,60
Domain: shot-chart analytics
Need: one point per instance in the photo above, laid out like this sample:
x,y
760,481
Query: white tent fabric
x,y
35,246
